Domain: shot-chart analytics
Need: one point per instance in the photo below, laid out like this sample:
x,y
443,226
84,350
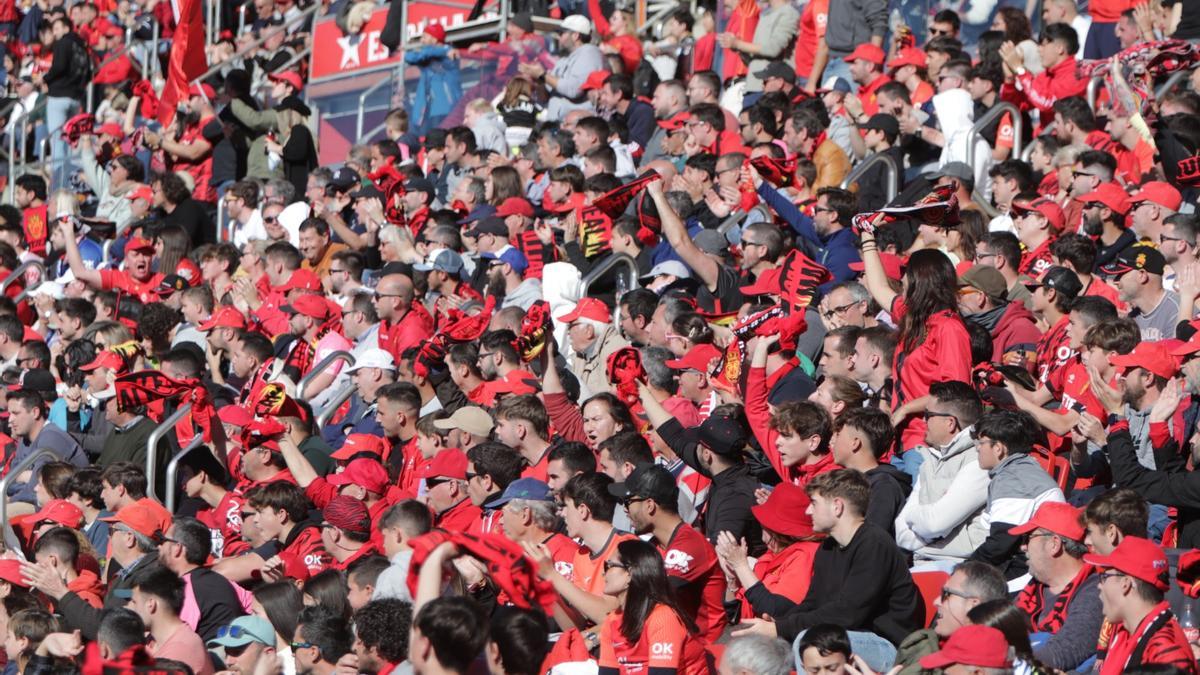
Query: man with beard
x,y
1139,280
1104,217
1037,224
501,365
827,232
505,279
381,631
669,102
1146,371
981,299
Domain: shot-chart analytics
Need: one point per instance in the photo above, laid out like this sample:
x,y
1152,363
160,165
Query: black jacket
x,y
865,586
1171,486
890,488
70,68
729,497
218,602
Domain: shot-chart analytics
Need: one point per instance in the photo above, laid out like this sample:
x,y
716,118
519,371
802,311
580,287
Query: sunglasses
x,y
608,565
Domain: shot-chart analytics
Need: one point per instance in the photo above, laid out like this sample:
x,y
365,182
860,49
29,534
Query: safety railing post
x,y
173,472
324,363
152,446
15,471
991,115
1093,88
20,272
362,103
893,173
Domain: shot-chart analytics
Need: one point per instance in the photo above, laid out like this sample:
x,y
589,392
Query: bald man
x,y
402,323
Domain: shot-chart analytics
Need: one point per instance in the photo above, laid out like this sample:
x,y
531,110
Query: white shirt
x,y
249,231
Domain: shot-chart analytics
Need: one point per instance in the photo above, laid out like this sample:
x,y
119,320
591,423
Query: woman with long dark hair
x,y
1006,618
649,630
280,603
933,344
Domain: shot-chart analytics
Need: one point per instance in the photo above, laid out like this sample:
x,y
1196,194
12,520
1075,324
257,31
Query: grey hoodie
x,y
943,517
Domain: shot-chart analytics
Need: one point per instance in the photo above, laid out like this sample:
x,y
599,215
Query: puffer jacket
x,y
943,517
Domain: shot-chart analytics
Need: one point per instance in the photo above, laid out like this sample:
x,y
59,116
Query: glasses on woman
x,y
613,564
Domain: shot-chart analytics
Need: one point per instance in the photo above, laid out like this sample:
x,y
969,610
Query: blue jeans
x,y
837,68
59,109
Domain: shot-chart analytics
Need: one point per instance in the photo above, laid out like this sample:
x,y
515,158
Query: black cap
x,y
777,69
722,435
523,20
293,102
650,481
479,212
1060,279
172,283
345,178
419,185
367,192
490,225
37,379
1145,258
885,123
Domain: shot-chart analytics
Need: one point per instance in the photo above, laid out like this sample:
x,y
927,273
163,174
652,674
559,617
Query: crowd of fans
x,y
786,339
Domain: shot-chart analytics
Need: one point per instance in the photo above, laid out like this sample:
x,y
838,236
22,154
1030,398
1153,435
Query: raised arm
x,y
75,260
874,277
672,226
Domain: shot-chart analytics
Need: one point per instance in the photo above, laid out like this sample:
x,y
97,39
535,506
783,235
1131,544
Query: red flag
x,y
187,62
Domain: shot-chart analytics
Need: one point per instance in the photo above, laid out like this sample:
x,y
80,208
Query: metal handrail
x,y
1093,88
152,446
340,355
20,271
599,269
252,46
362,101
173,472
16,471
148,68
994,113
12,150
1175,78
893,172
334,403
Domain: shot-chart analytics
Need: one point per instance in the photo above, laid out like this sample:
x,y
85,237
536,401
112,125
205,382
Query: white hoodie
x,y
956,115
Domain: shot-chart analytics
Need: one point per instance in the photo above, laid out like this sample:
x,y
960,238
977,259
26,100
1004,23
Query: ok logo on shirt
x,y
677,560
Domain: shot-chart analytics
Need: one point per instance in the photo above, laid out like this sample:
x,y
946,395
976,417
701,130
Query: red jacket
x,y
944,355
1044,89
1016,330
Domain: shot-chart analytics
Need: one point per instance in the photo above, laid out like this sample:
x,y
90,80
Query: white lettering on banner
x,y
375,49
662,649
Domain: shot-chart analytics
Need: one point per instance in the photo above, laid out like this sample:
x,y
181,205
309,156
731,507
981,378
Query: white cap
x,y
672,267
48,288
577,23
373,358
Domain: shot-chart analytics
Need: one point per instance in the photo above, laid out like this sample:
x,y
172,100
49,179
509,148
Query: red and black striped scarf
x,y
1031,601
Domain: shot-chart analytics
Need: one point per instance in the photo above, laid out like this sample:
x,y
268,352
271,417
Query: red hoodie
x,y
88,587
1016,331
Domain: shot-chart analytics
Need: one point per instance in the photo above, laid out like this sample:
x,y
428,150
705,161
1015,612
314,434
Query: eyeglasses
x,y
1162,237
633,500
270,220
609,564
484,355
751,243
1034,535
335,271
930,414
984,256
948,592
823,209
839,310
1111,575
434,482
471,475
302,645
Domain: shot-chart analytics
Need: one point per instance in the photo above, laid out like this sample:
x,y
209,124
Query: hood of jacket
x,y
955,111
901,477
961,443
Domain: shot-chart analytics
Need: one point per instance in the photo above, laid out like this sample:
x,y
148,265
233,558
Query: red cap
x,y
909,56
139,244
1047,207
974,645
1163,194
289,76
111,129
867,51
142,518
449,463
697,359
31,334
1187,348
112,30
1058,517
310,305
1110,195
1152,356
202,90
347,513
675,122
105,359
767,283
225,317
10,571
235,415
365,472
515,206
356,443
588,308
58,511
301,278
786,511
595,80
893,265
1139,558
141,192
436,31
